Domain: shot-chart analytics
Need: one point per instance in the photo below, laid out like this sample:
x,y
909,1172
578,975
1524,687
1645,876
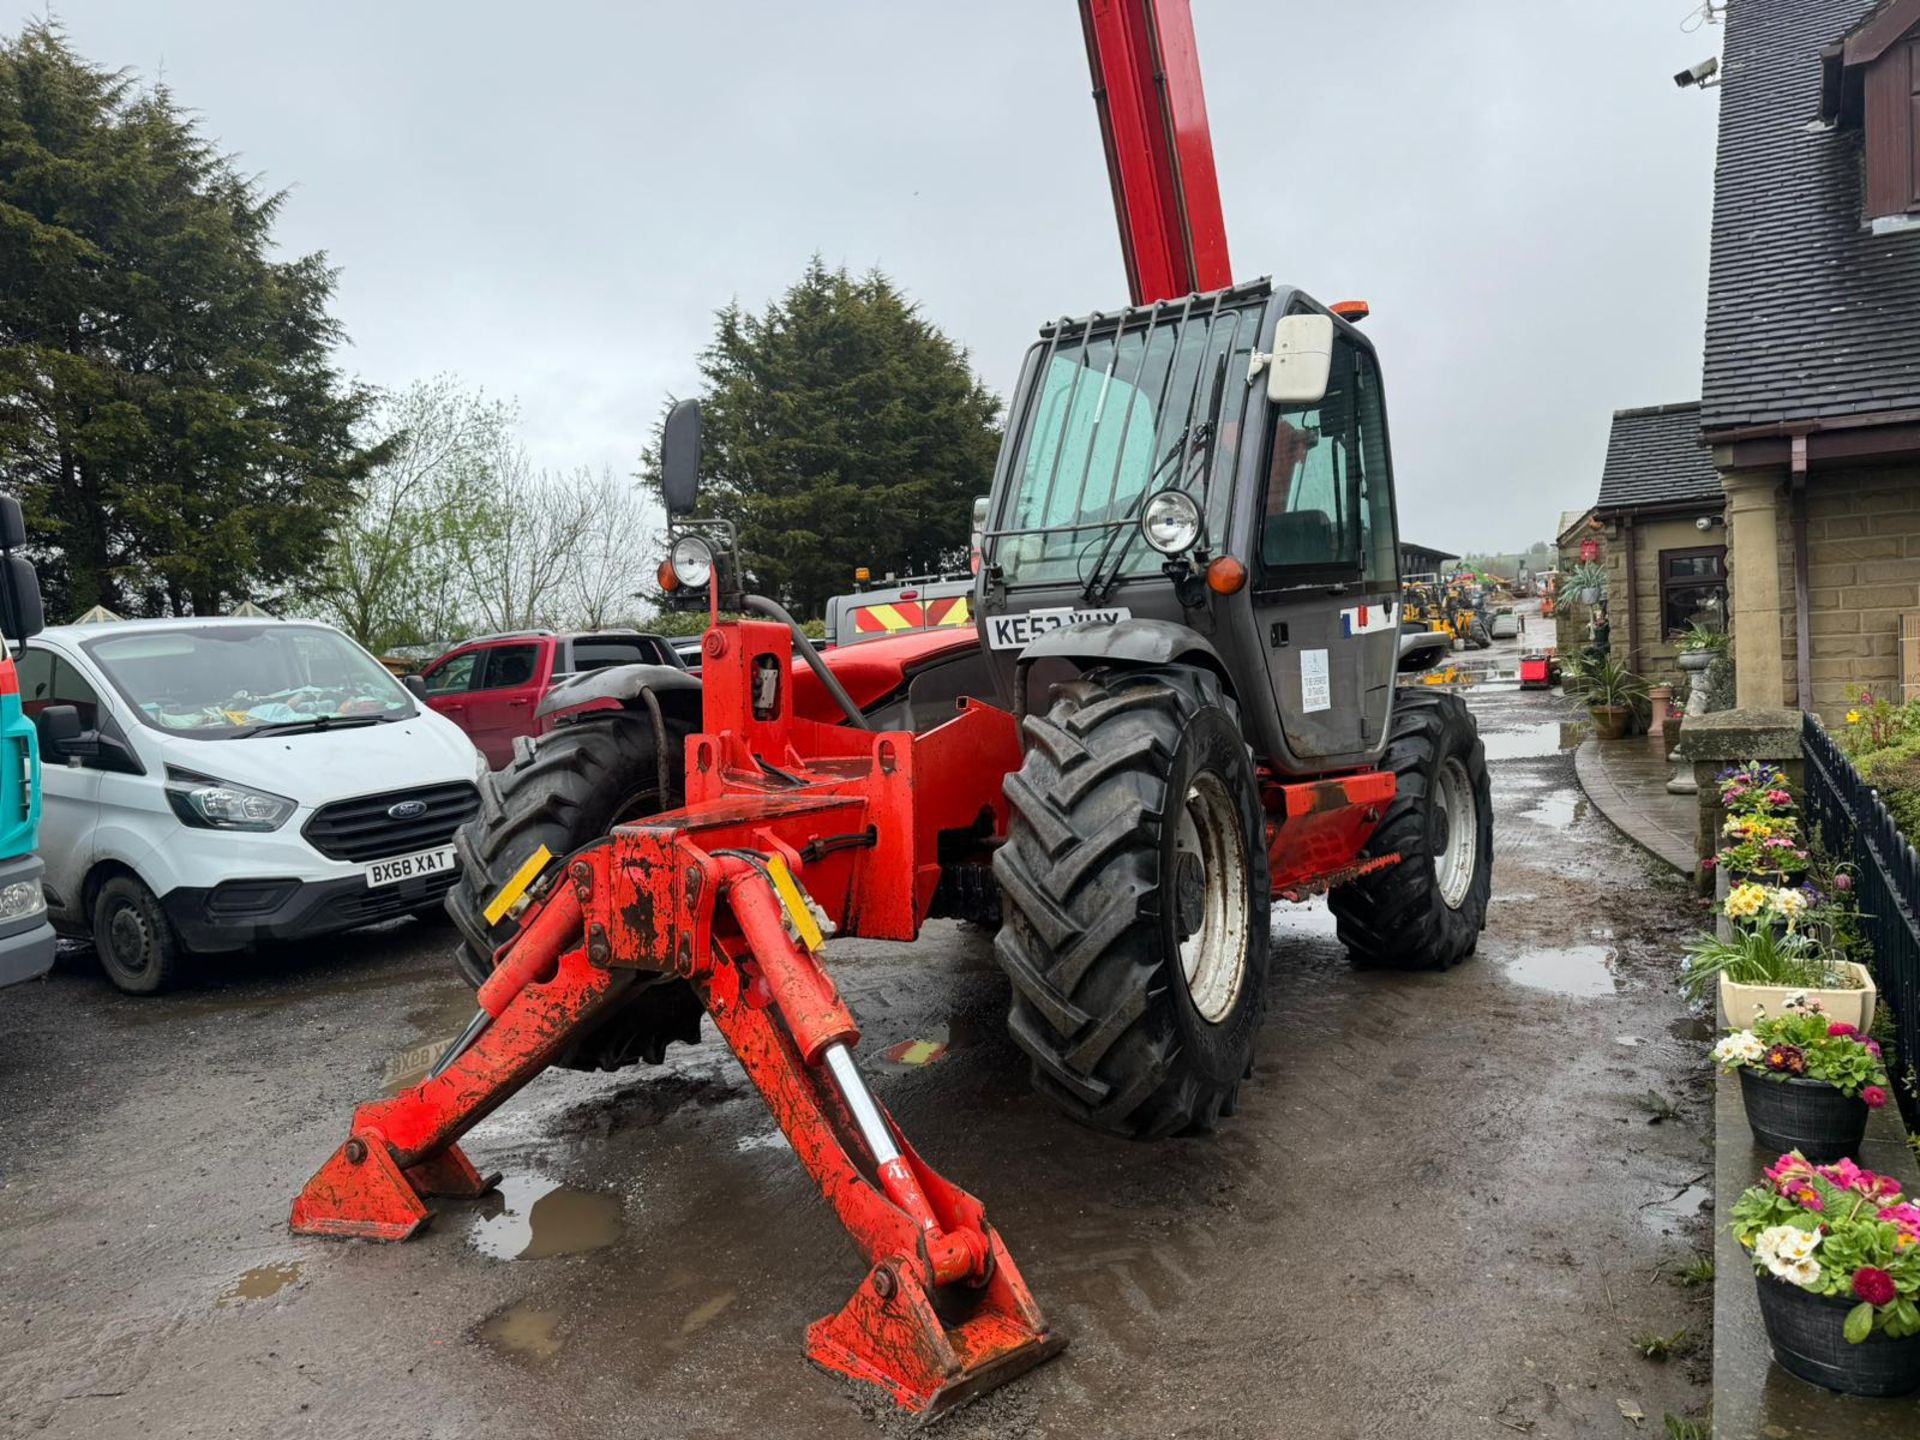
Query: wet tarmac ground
x,y
1444,1208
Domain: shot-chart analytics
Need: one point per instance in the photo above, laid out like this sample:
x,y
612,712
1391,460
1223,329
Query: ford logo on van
x,y
408,810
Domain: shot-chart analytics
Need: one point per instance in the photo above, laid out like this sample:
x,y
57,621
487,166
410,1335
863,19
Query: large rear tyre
x,y
1479,636
561,790
1426,912
1136,897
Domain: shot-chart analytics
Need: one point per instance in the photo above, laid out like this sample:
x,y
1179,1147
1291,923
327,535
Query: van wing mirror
x,y
62,737
13,525
680,458
1302,360
415,686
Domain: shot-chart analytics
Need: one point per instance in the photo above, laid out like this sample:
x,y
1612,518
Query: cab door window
x,y
509,667
456,676
1328,503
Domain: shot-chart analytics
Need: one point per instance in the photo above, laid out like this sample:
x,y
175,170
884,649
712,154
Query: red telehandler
x,y
1178,704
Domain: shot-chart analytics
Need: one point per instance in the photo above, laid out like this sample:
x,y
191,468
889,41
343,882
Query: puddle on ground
x,y
1581,970
1666,1216
524,1329
438,1026
936,1043
1691,1027
261,1281
1532,742
531,1217
705,1314
1558,811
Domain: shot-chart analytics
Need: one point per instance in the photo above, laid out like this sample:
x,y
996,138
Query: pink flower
x,y
1873,1286
1874,1096
1779,797
1873,1046
1905,1217
1840,1027
1843,1172
1843,882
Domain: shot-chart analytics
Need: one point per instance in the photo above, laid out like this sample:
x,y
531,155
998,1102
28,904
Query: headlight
x,y
1171,522
215,805
692,562
21,899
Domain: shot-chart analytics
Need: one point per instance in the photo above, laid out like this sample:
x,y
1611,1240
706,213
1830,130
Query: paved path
x,y
1627,782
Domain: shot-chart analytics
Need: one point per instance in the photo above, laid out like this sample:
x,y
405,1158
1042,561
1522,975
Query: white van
x,y
212,783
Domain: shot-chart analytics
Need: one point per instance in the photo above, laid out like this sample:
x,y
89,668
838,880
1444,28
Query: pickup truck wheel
x,y
1136,896
561,790
1427,911
135,941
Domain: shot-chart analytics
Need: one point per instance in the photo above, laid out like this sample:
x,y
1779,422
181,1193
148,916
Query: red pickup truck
x,y
491,687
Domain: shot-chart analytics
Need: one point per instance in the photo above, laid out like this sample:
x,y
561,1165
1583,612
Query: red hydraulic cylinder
x,y
1153,122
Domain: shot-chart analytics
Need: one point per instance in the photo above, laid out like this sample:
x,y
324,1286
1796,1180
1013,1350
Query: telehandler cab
x,y
1178,703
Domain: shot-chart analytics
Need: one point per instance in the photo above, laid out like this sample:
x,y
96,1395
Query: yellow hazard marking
x,y
891,620
960,614
511,892
797,911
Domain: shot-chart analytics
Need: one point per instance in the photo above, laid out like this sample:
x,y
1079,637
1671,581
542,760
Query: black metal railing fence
x,y
1854,825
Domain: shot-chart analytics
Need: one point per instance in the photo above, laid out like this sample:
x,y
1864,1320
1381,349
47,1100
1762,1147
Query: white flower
x,y
1804,1273
1742,1047
1796,1244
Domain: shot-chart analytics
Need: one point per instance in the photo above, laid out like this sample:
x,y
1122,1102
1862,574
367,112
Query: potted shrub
x,y
1612,691
1836,1255
1761,966
1700,644
1807,1082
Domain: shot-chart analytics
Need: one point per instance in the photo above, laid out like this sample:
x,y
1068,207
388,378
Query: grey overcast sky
x,y
551,200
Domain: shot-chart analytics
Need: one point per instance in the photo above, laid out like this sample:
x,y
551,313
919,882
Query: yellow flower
x,y
1746,901
1853,717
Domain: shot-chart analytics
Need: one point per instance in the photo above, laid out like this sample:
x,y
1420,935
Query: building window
x,y
1693,587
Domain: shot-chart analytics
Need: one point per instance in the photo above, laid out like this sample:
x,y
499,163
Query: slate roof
x,y
1808,313
1654,457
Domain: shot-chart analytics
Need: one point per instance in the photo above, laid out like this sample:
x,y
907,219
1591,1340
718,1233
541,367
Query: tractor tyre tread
x,y
1084,940
1395,917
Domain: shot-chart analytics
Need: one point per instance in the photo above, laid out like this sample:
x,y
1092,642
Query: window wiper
x,y
294,727
1203,435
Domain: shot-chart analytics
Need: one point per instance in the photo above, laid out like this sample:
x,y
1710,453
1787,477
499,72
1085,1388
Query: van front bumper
x,y
238,913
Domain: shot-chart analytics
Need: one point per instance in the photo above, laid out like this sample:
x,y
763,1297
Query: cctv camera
x,y
1699,74
1703,523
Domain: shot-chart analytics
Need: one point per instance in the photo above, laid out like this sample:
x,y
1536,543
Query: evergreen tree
x,y
841,429
169,410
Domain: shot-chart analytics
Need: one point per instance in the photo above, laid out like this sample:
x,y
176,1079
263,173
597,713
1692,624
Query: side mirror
x,y
21,613
1302,360
680,458
13,525
62,737
416,687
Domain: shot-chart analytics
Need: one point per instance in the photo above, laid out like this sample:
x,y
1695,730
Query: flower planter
x,y
1743,1004
1805,1332
1696,660
1805,1115
1610,721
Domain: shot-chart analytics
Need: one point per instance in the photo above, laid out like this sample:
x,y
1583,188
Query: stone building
x,y
1811,390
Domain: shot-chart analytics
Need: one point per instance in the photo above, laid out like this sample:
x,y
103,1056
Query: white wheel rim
x,y
1457,828
1210,898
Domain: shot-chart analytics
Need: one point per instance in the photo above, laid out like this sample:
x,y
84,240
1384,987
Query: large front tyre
x,y
1427,911
1135,893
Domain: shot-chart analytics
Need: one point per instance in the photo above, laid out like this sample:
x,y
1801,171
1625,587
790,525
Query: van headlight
x,y
21,899
1171,522
208,804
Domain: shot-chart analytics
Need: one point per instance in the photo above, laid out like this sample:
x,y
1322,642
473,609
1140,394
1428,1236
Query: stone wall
x,y
1863,574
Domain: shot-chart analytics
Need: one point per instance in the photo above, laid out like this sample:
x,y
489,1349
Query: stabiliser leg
x,y
764,987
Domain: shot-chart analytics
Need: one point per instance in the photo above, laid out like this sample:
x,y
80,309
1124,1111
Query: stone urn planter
x,y
1810,1116
1610,722
1696,660
1744,1004
1807,1339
